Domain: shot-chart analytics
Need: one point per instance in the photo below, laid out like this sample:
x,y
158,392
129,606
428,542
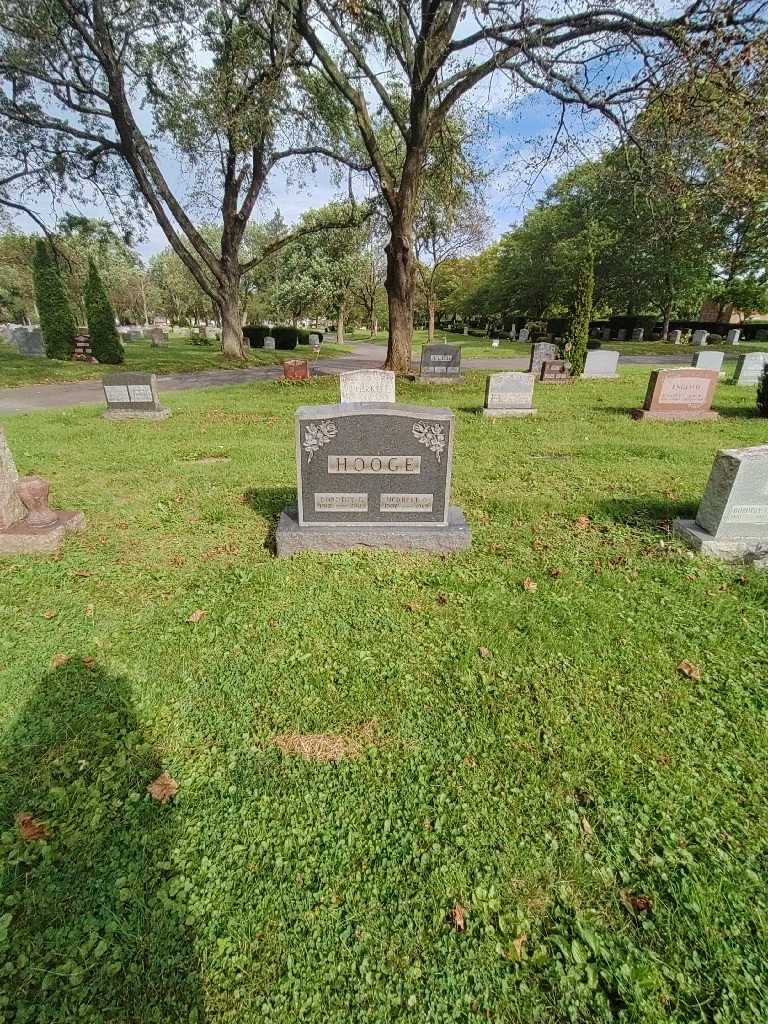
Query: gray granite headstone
x,y
367,386
132,395
699,338
509,394
11,509
373,475
157,336
441,363
524,334
512,333
541,352
621,334
674,337
29,343
269,343
732,338
749,367
709,360
637,334
601,362
606,334
732,520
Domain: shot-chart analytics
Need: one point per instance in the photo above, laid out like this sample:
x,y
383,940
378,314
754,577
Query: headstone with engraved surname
x,y
132,396
601,362
749,368
509,394
699,338
674,337
708,360
372,476
555,371
440,364
732,520
367,386
732,338
679,394
540,352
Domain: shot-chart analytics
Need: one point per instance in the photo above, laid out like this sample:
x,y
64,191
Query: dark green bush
x,y
303,336
255,333
286,338
57,324
105,341
594,343
762,393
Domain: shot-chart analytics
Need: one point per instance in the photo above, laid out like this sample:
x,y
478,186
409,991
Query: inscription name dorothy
x,y
374,464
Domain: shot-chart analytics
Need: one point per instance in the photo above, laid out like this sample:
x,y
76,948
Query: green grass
x,y
543,787
176,356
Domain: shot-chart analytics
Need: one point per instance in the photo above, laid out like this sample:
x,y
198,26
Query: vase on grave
x,y
33,493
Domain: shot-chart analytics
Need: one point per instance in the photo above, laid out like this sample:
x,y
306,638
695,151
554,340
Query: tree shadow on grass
x,y
649,513
269,502
96,930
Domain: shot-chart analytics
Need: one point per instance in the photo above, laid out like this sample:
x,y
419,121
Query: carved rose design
x,y
432,435
316,435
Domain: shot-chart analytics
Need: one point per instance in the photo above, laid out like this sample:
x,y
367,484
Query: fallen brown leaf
x,y
583,523
58,660
89,611
483,652
687,668
89,663
636,904
196,615
50,614
586,828
519,944
163,788
459,917
529,584
442,599
30,829
555,573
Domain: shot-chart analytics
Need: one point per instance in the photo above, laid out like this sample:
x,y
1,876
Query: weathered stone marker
x,y
679,394
605,333
524,334
601,362
555,371
132,396
374,476
749,367
700,338
367,386
674,337
732,338
540,352
732,520
28,341
27,524
157,337
296,369
637,334
441,364
269,343
709,360
509,394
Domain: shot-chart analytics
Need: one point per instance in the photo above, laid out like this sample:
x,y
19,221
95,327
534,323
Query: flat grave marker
x,y
601,363
679,394
132,396
375,475
367,386
732,519
509,394
440,364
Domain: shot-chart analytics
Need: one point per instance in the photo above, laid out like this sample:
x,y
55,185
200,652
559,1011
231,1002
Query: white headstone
x,y
367,386
674,337
269,343
466,330
11,509
524,334
733,336
509,394
709,360
494,342
601,362
749,368
700,337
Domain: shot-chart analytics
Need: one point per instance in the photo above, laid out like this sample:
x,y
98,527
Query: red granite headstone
x,y
555,371
684,393
296,369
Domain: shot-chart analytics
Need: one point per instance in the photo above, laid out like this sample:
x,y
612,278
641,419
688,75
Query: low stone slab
x,y
132,396
291,538
602,363
367,386
556,371
509,394
20,539
679,394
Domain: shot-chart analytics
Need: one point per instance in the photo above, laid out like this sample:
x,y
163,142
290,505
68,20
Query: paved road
x,y
365,356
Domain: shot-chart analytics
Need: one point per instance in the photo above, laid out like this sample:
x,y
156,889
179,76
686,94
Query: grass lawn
x,y
538,817
177,356
480,348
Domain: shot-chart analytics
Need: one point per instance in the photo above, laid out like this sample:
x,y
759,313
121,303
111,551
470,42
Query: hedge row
x,y
286,338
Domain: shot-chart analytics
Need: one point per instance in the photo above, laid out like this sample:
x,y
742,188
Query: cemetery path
x,y
365,356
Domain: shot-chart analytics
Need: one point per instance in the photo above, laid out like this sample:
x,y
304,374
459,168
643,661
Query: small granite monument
x,y
732,338
674,337
509,394
524,334
367,386
440,364
157,337
27,524
269,343
555,371
749,368
601,362
375,476
132,396
679,394
296,369
732,520
637,334
540,352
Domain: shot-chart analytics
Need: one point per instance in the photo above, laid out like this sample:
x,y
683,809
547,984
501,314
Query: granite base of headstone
x,y
27,524
132,396
601,363
555,371
679,394
440,364
749,368
509,394
373,476
732,520
367,386
708,360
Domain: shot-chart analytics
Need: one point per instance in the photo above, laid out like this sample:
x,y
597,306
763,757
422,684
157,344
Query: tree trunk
x,y
340,326
431,324
374,326
231,326
667,314
400,283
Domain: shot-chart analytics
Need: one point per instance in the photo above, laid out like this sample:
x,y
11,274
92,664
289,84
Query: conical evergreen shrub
x,y
577,332
105,341
57,324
